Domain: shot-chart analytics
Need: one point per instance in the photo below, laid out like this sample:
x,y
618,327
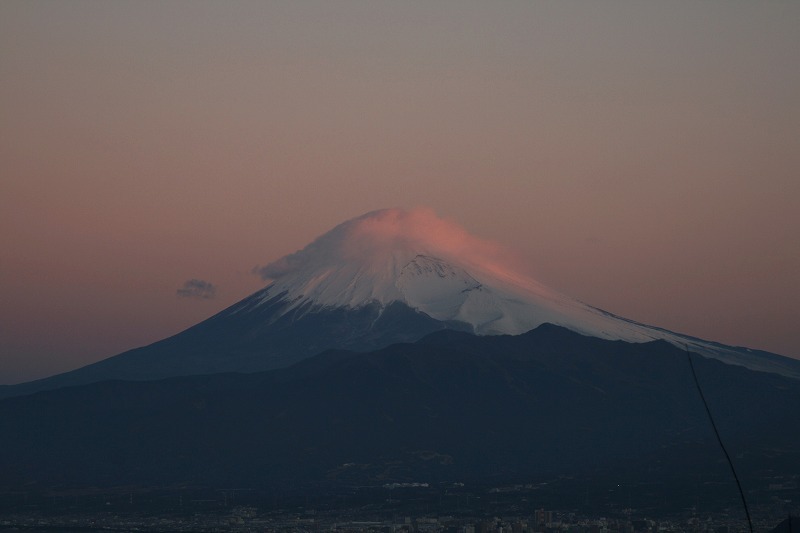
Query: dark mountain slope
x,y
252,336
451,407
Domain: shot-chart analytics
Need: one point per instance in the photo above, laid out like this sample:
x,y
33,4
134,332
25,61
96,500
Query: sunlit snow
x,y
436,267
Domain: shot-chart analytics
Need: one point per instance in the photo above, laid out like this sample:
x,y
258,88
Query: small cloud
x,y
262,272
197,288
281,267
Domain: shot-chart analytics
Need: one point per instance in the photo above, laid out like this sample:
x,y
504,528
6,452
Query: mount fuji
x,y
399,349
385,277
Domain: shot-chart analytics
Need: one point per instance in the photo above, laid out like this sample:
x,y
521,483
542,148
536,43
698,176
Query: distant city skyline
x,y
643,158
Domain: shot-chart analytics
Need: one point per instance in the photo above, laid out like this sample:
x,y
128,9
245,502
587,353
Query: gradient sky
x,y
643,157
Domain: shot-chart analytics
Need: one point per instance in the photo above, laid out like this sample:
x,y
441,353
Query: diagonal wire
x,y
719,439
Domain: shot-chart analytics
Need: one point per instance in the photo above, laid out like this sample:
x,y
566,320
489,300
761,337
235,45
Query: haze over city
x,y
643,158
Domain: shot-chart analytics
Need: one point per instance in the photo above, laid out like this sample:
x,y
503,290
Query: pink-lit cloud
x,y
377,236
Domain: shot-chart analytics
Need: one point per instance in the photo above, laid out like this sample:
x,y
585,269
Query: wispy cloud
x,y
379,234
197,288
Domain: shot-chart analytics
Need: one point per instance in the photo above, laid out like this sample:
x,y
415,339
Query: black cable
x,y
719,439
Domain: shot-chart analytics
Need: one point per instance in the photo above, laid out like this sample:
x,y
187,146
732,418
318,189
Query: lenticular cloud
x,y
378,239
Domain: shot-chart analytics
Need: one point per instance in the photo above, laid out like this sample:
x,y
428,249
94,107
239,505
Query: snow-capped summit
x,y
437,268
432,265
362,260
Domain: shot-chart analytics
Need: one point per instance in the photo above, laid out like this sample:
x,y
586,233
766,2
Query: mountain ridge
x,y
451,407
385,277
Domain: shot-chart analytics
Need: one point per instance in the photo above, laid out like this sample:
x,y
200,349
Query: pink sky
x,y
642,157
